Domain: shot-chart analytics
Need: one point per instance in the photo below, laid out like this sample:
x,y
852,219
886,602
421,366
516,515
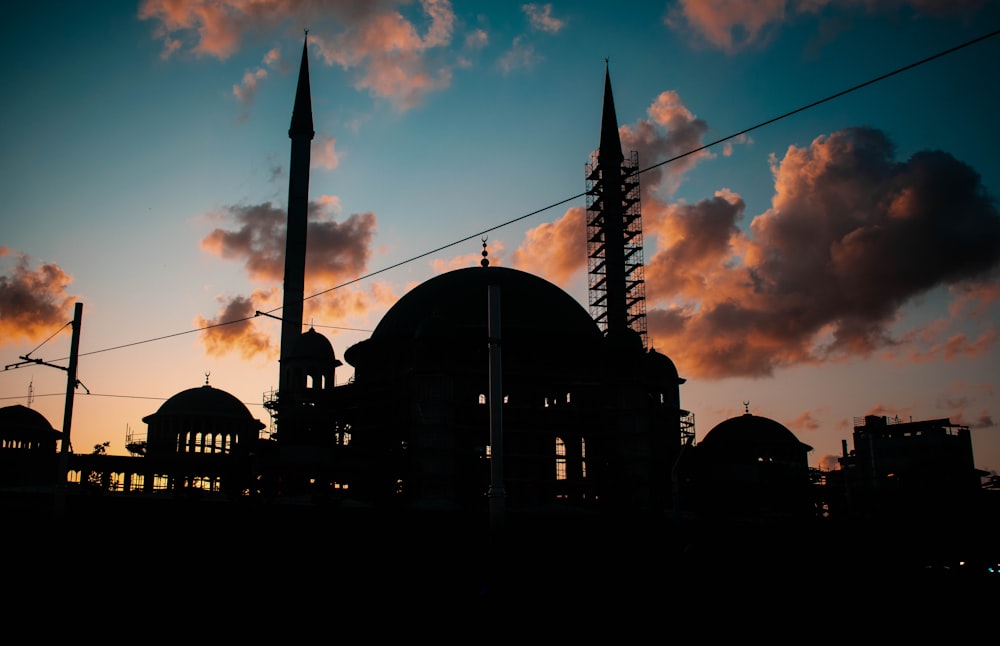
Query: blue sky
x,y
838,262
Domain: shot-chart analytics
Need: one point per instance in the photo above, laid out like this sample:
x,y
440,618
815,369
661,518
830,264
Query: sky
x,y
820,218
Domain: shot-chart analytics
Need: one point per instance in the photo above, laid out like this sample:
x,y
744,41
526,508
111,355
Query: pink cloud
x,y
733,25
540,17
323,153
375,38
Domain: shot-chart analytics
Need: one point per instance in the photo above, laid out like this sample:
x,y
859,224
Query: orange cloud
x,y
494,250
234,330
337,307
376,38
829,462
554,249
825,271
33,302
670,132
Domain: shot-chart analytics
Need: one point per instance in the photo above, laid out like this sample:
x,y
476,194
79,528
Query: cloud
x,y
805,422
375,38
392,55
335,251
350,303
734,25
521,55
540,17
829,462
851,236
247,88
671,131
553,249
323,154
233,329
494,251
33,301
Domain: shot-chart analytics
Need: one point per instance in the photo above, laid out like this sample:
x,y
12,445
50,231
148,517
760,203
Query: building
x,y
907,468
749,467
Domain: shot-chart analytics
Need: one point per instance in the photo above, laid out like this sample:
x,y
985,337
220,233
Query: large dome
x,y
536,316
460,298
203,402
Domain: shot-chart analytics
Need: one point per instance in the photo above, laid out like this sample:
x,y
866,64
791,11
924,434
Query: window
x,y
560,459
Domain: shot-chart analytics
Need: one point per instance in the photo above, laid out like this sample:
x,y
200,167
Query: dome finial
x,y
746,407
207,373
485,262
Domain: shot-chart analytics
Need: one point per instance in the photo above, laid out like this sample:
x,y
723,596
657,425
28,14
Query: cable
x,y
824,100
574,197
114,396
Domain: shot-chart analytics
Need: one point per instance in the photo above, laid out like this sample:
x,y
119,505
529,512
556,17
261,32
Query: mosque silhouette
x,y
496,433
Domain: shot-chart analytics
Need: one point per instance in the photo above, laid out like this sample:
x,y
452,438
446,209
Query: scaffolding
x,y
598,219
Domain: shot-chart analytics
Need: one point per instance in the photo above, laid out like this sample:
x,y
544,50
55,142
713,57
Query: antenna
x,y
31,392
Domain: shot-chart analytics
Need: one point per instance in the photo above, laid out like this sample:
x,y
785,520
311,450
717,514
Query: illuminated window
x,y
560,459
583,458
482,398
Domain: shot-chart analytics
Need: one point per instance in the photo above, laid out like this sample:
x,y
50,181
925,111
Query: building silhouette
x,y
599,469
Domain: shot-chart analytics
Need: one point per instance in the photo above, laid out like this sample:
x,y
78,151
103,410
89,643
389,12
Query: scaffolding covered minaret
x,y
617,291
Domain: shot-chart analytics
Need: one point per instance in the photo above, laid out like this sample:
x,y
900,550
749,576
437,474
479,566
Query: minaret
x,y
301,133
614,230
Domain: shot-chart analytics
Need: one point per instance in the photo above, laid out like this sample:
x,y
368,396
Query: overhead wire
x,y
553,205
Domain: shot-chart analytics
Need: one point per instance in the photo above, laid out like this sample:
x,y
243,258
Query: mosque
x,y
485,392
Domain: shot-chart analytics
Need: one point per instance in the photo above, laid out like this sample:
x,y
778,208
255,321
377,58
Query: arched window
x,y
560,459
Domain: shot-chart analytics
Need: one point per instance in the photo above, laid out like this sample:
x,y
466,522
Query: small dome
x,y
25,421
314,346
204,401
660,366
750,430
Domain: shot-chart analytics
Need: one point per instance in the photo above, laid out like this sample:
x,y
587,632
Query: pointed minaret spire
x,y
611,142
302,119
301,133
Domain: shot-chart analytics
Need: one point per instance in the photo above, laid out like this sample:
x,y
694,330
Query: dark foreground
x,y
238,570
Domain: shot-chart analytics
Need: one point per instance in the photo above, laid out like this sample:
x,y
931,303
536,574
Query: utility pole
x,y
74,351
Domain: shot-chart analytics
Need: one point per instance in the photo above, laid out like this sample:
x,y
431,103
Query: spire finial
x,y
485,262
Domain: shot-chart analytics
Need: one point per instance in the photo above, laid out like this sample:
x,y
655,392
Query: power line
x,y
63,394
574,197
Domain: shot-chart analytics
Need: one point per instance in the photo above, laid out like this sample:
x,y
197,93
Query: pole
x,y
66,448
496,492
